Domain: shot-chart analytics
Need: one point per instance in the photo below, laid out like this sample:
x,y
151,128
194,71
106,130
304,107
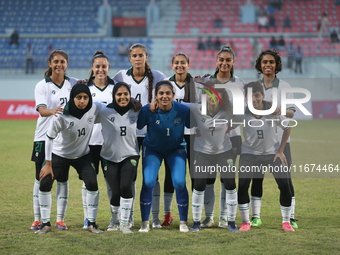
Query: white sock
x,y
197,204
62,198
231,199
92,204
155,201
115,214
125,206
285,211
167,200
209,201
223,203
133,187
45,201
83,196
36,205
292,208
244,211
256,206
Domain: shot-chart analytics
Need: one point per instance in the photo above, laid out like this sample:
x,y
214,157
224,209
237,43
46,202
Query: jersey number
x,y
138,97
63,100
81,132
38,146
259,134
167,131
123,131
212,130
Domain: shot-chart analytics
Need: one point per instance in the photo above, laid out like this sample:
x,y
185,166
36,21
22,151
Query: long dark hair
x,y
48,71
189,87
147,68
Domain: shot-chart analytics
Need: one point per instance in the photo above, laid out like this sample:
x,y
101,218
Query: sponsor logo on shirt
x,y
90,120
132,119
112,119
53,92
177,121
94,94
157,122
71,124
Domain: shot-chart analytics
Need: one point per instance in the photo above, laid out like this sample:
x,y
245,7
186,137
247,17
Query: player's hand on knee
x,y
46,170
282,157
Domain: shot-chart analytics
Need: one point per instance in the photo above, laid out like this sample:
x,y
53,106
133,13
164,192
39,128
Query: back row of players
x,y
56,95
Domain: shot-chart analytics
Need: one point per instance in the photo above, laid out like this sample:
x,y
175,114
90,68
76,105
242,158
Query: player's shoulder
x,y
41,83
180,107
284,84
71,80
158,75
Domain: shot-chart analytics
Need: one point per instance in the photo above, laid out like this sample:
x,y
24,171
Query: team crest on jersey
x,y
133,162
132,119
112,119
157,122
53,92
203,120
177,121
71,124
230,162
94,94
90,120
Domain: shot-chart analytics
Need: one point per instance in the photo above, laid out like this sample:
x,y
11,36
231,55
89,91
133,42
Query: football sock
x,y
256,206
197,204
83,196
92,204
182,198
62,198
155,200
125,206
115,213
231,199
292,211
36,205
45,201
244,211
223,203
209,201
167,200
145,202
285,211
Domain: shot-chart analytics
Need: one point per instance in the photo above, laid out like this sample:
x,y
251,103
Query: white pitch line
x,y
312,141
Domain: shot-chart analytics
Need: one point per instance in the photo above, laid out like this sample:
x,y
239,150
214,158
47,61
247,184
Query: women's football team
x,y
107,122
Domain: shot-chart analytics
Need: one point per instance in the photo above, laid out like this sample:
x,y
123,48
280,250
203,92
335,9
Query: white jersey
x,y
179,97
103,96
139,90
238,82
268,96
50,95
260,137
119,132
212,139
74,137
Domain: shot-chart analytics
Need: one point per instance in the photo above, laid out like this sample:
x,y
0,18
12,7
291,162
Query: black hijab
x,y
71,107
119,109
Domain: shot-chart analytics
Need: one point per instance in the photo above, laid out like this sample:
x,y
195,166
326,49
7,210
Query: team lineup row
x,y
66,135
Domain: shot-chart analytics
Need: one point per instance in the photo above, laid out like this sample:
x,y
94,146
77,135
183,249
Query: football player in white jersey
x,y
213,149
224,74
142,81
269,63
67,144
185,91
101,86
260,153
51,95
120,153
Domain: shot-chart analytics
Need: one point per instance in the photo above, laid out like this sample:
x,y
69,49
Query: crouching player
x,y
68,139
258,150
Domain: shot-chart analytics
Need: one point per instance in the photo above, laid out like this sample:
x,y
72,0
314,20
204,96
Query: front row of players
x,y
67,144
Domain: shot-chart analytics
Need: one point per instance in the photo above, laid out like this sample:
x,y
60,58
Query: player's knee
x,y
46,184
149,182
179,184
90,182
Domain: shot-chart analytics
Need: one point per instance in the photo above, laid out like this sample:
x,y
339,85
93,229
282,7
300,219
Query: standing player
x,y
185,91
164,140
260,150
70,148
101,86
212,148
224,74
269,63
120,152
51,94
142,81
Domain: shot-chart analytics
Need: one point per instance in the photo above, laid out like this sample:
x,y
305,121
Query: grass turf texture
x,y
317,207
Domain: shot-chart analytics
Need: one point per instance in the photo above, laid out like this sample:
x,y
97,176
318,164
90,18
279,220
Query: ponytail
x,y
150,80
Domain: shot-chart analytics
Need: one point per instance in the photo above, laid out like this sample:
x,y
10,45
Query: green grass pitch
x,y
317,207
